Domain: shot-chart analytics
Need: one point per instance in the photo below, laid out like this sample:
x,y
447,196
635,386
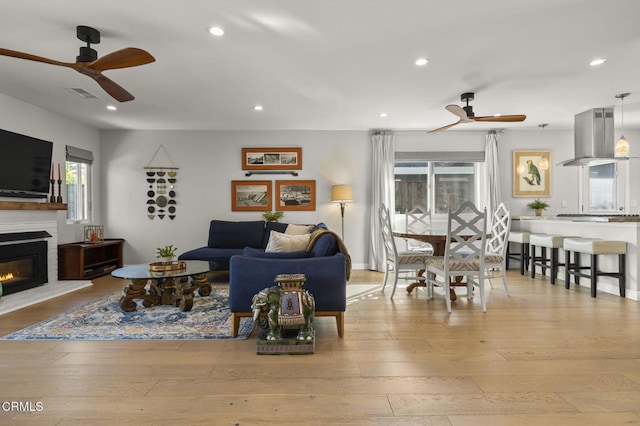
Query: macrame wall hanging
x,y
161,193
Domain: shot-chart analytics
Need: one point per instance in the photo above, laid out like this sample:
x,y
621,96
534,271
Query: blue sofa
x,y
239,248
227,239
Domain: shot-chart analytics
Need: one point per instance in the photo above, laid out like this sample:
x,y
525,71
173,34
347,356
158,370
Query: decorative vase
x,y
167,259
538,212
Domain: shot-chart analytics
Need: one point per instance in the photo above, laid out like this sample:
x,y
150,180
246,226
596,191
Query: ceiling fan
x,y
467,116
87,62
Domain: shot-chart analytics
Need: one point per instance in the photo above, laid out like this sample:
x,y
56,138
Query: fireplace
x,y
23,264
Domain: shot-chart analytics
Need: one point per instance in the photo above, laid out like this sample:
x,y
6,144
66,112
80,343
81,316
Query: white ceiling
x,y
330,65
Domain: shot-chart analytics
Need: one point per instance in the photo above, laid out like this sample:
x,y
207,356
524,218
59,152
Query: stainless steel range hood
x,y
593,137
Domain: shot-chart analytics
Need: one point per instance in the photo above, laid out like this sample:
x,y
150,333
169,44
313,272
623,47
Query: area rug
x,y
359,292
103,319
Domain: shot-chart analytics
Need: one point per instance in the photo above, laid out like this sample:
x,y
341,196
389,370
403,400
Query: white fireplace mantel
x,y
35,220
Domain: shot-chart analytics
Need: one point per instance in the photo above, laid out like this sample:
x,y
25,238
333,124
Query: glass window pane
x,y
602,187
77,179
412,185
454,184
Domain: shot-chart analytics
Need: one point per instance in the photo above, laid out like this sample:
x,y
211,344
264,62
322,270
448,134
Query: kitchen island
x,y
619,228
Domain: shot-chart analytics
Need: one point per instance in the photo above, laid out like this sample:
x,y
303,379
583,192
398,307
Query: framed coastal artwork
x,y
271,158
532,174
295,195
251,195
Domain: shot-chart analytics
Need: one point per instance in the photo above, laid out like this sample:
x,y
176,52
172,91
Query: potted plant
x,y
538,206
166,253
272,216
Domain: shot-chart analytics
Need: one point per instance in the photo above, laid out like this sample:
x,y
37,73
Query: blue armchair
x,y
325,267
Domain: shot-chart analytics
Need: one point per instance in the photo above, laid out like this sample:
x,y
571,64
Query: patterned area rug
x,y
103,319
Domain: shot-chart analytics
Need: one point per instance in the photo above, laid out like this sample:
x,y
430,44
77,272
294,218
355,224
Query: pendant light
x,y
543,164
622,146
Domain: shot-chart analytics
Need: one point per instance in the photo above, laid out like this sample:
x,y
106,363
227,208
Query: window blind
x,y
79,155
457,156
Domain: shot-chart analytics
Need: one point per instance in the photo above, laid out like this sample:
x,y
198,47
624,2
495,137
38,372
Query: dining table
x,y
437,237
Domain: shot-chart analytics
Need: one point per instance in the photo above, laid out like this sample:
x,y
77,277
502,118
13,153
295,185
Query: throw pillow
x,y
279,242
293,229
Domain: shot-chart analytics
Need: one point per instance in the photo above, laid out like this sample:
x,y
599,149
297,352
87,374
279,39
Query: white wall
x,y
564,180
20,117
208,161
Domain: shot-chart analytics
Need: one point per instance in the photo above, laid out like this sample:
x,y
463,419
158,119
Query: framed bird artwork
x,y
531,173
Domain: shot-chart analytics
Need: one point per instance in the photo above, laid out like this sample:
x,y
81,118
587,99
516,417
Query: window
x,y
439,186
78,183
603,187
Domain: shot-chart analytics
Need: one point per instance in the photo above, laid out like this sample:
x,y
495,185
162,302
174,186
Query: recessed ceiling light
x,y
597,62
216,31
383,114
497,115
258,108
112,108
421,62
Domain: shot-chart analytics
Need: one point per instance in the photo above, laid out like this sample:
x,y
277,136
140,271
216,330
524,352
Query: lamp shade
x,y
622,147
341,193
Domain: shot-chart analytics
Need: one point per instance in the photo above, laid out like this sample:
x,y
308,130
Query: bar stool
x,y
521,238
545,241
595,247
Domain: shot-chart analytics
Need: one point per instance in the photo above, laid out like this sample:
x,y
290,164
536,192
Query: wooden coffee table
x,y
172,287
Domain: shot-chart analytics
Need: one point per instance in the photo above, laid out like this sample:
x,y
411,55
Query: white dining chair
x,y
495,260
404,264
418,221
464,252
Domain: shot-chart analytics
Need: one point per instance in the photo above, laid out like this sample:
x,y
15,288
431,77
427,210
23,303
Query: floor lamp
x,y
342,194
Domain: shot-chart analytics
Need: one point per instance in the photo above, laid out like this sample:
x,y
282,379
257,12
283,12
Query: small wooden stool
x,y
595,248
545,241
521,238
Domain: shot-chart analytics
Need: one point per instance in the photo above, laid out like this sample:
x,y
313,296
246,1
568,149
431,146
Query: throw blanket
x,y
342,248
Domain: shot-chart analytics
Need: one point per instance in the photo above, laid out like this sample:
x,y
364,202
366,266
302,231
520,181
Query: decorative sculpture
x,y
286,304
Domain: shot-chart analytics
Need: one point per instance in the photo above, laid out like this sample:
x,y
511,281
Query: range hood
x,y
593,137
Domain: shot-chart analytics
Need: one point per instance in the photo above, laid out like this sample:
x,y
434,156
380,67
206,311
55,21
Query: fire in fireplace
x,y
23,265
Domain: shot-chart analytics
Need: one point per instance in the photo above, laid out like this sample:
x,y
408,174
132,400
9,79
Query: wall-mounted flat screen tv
x,y
25,166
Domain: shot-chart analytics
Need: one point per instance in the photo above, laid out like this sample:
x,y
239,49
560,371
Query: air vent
x,y
82,93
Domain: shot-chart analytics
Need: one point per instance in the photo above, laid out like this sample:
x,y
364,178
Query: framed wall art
x,y
251,195
532,174
295,195
271,158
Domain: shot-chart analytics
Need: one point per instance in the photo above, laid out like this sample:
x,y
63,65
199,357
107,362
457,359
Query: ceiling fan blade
x,y
112,88
124,58
501,118
457,110
30,57
443,128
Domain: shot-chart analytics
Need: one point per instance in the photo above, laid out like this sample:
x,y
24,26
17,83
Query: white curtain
x,y
492,165
382,191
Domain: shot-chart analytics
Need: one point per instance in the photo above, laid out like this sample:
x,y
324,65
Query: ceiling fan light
x,y
622,147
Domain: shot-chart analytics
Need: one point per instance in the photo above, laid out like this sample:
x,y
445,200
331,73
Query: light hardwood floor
x,y
542,356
